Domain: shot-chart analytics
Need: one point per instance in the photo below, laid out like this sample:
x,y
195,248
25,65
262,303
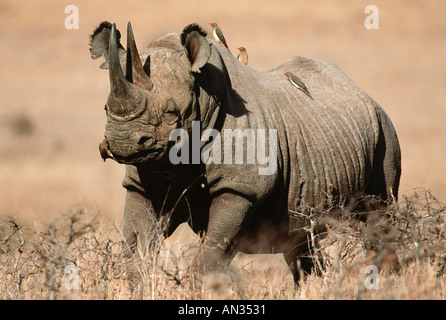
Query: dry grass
x,y
415,228
45,261
52,117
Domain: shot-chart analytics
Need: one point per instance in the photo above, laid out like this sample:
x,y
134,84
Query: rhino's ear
x,y
99,42
198,49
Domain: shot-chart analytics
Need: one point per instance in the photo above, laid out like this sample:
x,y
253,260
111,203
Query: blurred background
x,y
53,94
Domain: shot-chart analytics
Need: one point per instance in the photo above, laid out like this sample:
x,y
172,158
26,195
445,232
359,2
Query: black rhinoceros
x,y
173,116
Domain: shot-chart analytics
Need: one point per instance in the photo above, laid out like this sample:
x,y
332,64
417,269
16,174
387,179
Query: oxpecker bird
x,y
105,152
218,34
298,83
243,55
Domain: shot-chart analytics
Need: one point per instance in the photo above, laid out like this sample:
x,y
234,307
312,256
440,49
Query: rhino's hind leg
x,y
383,186
302,251
299,259
378,233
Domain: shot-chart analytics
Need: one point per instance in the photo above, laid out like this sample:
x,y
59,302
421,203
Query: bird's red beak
x,y
210,23
239,48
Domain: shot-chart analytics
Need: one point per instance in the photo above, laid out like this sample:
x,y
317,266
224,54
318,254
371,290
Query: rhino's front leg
x,y
139,229
226,216
139,222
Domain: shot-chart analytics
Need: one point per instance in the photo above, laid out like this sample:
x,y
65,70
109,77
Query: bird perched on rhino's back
x,y
298,83
243,55
218,34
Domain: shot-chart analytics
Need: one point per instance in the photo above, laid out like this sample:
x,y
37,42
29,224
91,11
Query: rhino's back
x,y
326,145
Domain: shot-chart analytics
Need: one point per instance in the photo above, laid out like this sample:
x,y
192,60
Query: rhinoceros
x,y
180,104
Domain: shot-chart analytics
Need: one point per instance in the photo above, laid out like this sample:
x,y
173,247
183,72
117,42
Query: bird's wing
x,y
221,37
299,82
300,85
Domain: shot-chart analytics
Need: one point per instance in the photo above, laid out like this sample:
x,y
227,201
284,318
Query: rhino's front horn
x,y
125,100
135,72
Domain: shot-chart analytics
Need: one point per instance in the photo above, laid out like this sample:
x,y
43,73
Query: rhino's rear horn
x,y
134,70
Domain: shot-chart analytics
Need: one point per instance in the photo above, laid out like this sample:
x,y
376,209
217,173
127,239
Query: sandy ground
x,y
52,93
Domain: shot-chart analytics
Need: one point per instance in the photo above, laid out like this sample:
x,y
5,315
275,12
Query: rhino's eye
x,y
170,117
170,114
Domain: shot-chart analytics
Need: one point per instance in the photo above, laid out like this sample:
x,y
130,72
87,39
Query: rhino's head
x,y
153,97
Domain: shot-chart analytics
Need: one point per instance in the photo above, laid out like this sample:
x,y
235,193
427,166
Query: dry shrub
x,y
71,258
414,228
83,256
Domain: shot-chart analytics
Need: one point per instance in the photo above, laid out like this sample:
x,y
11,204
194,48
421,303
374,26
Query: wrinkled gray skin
x,y
331,150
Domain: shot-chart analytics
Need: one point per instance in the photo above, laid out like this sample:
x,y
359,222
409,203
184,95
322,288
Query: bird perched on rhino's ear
x,y
298,83
218,34
243,55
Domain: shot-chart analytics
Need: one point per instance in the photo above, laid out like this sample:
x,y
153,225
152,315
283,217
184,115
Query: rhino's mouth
x,y
139,157
142,156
